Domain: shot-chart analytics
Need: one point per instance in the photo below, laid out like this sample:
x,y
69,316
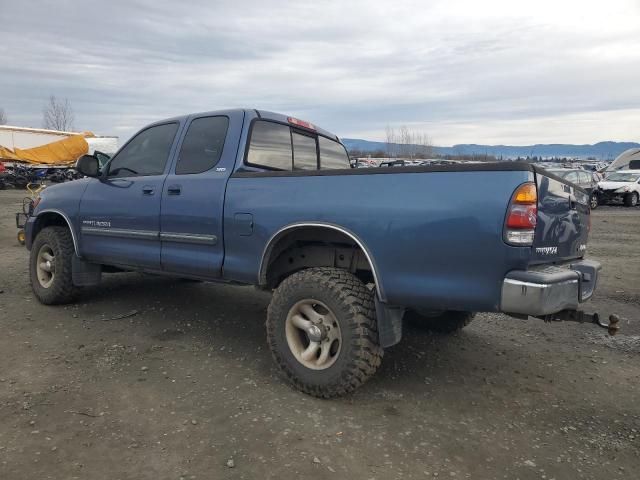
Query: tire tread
x,y
360,319
62,290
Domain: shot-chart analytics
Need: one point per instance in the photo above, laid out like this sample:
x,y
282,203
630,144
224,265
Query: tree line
x,y
57,114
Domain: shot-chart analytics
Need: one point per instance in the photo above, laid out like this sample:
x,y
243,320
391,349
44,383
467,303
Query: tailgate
x,y
563,220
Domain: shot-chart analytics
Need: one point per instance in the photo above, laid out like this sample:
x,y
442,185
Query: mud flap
x,y
389,320
84,274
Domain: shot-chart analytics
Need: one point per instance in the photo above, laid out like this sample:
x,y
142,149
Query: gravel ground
x,y
186,388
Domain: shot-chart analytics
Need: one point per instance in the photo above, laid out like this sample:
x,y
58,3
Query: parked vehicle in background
x,y
255,197
621,186
3,175
594,167
393,163
583,178
627,160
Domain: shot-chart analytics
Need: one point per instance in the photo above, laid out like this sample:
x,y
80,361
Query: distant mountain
x,y
600,150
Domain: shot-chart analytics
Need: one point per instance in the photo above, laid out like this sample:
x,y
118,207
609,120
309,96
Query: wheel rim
x,y
594,201
634,199
45,266
313,334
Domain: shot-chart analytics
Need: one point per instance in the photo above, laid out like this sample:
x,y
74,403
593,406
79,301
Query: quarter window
x,y
202,146
146,154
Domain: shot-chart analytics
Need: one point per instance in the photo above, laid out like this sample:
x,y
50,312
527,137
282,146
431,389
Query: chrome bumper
x,y
544,290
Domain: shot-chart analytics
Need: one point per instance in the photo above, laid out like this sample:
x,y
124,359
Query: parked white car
x,y
623,185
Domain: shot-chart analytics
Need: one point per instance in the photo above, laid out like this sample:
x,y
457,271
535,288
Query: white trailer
x,y
23,138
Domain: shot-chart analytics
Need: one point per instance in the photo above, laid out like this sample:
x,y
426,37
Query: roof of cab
x,y
278,117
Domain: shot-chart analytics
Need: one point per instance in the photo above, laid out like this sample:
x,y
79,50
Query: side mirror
x,y
88,166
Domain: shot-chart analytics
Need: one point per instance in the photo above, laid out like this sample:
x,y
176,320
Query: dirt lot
x,y
186,387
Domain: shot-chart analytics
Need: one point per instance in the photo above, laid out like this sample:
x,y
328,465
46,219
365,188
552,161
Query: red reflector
x,y
301,123
522,216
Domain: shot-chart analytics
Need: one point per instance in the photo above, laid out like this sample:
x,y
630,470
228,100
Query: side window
x,y
585,178
146,154
270,146
305,156
332,154
202,145
572,177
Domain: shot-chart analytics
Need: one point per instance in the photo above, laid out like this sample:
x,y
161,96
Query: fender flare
x,y
262,272
69,224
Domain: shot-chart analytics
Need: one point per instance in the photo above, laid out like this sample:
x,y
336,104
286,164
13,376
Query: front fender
x,y
39,220
58,203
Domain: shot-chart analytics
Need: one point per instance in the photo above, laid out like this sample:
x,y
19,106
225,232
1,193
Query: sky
x,y
461,71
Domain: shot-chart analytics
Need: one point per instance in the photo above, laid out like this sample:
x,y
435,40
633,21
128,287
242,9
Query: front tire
x,y
631,199
322,331
594,202
447,322
50,266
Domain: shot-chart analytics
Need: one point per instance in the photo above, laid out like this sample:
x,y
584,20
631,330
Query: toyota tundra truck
x,y
251,197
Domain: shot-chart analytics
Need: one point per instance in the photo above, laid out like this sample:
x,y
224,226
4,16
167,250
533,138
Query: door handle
x,y
174,189
147,190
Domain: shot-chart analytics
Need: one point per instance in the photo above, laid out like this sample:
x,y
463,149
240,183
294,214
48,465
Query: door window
x,y
305,156
146,154
202,146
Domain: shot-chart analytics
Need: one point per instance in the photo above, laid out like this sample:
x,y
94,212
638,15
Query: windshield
x,y
623,177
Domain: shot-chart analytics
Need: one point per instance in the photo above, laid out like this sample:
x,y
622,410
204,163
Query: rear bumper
x,y
545,290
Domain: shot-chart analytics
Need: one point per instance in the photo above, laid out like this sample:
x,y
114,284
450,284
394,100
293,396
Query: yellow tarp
x,y
61,152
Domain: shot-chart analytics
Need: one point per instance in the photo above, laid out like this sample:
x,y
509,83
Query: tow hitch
x,y
582,317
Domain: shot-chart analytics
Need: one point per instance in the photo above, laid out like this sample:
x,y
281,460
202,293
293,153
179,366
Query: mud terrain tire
x,y
53,247
335,301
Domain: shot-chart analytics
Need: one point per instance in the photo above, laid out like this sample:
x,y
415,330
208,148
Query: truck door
x,y
191,224
120,212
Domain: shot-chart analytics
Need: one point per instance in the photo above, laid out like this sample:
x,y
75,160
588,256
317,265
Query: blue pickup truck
x,y
259,198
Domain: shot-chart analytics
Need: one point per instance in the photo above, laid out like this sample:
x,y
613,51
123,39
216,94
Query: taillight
x,y
522,215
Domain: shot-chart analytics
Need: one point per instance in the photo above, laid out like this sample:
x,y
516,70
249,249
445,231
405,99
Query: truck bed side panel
x,y
435,238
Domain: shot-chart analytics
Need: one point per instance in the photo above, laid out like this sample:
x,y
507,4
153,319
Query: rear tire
x,y
631,199
447,322
50,266
343,352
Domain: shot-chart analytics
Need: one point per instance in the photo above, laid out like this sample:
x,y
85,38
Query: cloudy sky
x,y
464,71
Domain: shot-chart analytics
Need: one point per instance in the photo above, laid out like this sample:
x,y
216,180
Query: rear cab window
x,y
270,146
332,154
277,146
